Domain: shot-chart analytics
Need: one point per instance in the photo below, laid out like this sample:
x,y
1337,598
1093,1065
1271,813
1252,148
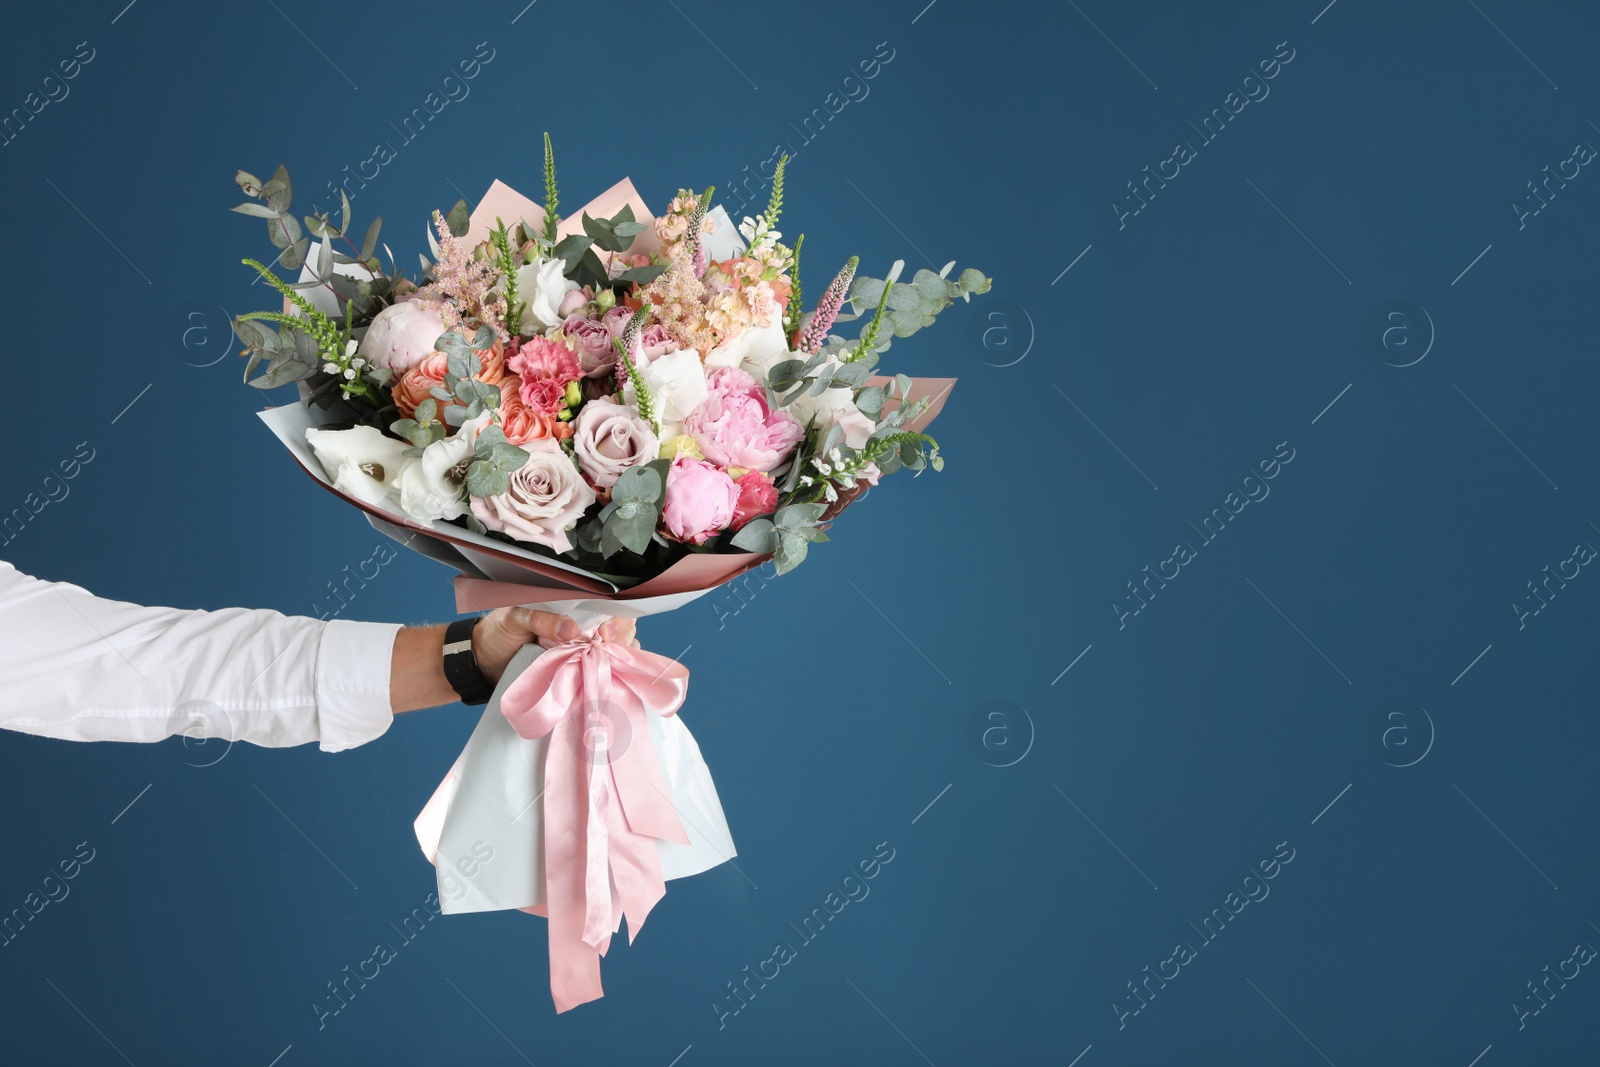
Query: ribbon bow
x,y
605,796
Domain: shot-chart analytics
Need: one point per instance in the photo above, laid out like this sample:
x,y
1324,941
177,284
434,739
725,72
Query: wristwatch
x,y
461,668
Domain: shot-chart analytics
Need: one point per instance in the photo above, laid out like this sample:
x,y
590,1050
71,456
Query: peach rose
x,y
418,383
520,422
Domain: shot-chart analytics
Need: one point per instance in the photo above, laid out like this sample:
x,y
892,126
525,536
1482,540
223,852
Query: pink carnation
x,y
757,497
701,499
545,368
734,426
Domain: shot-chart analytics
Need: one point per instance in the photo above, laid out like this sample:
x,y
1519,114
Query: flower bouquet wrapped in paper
x,y
610,413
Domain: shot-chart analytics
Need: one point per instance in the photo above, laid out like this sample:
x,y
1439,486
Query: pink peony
x,y
734,426
546,497
592,343
544,367
701,499
608,438
757,497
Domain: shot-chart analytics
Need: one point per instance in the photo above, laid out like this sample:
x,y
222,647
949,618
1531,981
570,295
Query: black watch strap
x,y
461,668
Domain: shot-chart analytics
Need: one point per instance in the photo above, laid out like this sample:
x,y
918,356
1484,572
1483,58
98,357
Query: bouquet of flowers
x,y
608,413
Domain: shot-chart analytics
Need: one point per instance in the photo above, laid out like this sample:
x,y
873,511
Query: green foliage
x,y
907,307
508,269
629,522
792,313
582,265
787,535
459,220
551,218
495,460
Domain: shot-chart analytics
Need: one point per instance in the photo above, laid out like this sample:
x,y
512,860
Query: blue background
x,y
1101,410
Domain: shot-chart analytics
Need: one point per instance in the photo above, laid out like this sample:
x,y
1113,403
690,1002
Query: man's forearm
x,y
416,675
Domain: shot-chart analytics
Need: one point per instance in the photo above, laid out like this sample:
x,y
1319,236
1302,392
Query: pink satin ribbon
x,y
605,796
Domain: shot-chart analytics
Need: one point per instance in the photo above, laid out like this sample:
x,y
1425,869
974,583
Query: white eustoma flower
x,y
836,406
361,461
677,385
541,284
754,351
435,486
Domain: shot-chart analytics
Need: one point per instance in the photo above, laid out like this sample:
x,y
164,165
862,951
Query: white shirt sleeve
x,y
77,667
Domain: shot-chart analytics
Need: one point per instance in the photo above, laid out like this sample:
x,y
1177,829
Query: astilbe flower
x,y
815,334
678,297
463,289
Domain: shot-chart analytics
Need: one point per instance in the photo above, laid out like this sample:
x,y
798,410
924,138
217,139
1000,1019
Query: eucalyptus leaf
x,y
369,243
260,211
248,183
294,256
757,535
459,219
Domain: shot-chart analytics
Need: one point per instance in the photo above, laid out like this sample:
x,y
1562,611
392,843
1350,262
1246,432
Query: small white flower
x,y
350,374
331,367
829,493
350,348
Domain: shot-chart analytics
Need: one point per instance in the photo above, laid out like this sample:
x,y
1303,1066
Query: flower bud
x,y
574,394
682,445
606,300
485,252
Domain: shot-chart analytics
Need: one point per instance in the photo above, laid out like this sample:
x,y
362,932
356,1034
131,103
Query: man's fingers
x,y
544,624
619,630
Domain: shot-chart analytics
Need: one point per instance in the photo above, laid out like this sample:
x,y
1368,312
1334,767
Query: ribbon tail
x,y
636,874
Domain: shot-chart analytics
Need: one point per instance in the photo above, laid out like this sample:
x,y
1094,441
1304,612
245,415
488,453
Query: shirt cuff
x,y
354,660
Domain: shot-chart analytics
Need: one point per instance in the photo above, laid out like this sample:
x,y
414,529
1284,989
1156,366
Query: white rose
x,y
677,385
401,336
754,351
541,285
836,406
361,461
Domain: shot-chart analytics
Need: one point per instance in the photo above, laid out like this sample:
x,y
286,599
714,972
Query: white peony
x,y
677,385
361,461
541,285
401,336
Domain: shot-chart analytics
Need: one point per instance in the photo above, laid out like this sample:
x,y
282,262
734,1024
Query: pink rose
x,y
700,500
418,383
734,426
655,341
757,497
401,336
592,343
544,368
573,302
608,438
546,497
616,320
521,423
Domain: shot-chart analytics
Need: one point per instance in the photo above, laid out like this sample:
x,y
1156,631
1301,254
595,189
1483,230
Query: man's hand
x,y
499,635
416,676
